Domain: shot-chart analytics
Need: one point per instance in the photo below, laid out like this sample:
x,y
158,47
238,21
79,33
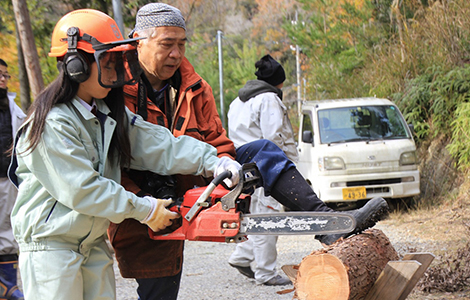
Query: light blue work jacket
x,y
68,188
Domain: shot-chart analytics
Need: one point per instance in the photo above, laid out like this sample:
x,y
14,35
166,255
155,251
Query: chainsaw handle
x,y
224,175
205,195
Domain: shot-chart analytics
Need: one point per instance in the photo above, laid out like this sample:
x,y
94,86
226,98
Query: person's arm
x,y
63,164
155,149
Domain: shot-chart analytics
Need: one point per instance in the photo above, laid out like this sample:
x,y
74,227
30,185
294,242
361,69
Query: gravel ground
x,y
207,275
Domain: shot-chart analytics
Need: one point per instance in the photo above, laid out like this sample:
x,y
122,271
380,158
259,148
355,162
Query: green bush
x,y
438,103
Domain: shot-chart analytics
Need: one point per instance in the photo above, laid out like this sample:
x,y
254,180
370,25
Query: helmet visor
x,y
117,68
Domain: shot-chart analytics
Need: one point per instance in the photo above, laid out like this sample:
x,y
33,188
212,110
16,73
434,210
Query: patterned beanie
x,y
270,71
158,15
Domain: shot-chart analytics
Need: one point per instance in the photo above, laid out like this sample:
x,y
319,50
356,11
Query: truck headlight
x,y
408,158
330,163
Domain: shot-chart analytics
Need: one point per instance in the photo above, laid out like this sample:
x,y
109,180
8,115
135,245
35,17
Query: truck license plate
x,y
354,193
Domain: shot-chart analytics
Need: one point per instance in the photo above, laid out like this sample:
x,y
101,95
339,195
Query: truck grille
x,y
377,190
373,182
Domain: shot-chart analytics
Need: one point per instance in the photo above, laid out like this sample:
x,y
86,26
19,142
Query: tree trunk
x,y
30,52
346,269
25,98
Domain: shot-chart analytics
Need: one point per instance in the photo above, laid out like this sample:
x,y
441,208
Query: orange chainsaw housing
x,y
210,224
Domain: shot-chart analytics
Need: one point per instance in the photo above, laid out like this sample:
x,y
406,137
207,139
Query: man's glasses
x,y
6,76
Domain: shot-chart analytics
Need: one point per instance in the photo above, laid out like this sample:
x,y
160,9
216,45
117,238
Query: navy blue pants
x,y
269,158
163,288
271,162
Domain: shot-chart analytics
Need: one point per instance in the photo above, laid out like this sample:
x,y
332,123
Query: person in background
x,y
170,93
11,117
258,113
67,163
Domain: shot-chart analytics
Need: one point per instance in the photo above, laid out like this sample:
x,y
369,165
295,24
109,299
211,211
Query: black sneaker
x,y
278,280
247,271
374,210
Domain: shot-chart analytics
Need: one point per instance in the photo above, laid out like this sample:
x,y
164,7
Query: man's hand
x,y
160,217
228,164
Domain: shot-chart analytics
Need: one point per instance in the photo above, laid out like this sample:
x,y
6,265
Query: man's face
x,y
161,54
3,80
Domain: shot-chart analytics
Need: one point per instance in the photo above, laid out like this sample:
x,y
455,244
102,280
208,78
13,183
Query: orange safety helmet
x,y
94,32
92,22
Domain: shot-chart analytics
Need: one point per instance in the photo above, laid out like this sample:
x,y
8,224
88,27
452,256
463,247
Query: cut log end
x,y
322,277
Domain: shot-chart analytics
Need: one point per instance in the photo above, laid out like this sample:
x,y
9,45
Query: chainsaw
x,y
216,214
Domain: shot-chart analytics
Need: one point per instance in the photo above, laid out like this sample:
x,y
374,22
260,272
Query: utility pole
x,y
297,64
117,11
221,77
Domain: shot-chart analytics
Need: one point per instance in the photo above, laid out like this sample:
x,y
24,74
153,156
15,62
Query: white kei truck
x,y
356,149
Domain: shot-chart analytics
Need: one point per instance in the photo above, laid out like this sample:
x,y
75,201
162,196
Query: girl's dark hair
x,y
120,147
64,90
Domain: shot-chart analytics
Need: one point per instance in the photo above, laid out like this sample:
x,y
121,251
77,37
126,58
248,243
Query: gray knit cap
x,y
158,15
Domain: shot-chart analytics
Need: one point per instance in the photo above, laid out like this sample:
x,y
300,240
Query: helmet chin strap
x,y
92,40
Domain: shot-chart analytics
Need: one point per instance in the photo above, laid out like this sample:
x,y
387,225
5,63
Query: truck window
x,y
307,123
307,133
345,124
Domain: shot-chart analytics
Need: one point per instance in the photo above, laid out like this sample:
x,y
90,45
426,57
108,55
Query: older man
x,y
170,93
173,95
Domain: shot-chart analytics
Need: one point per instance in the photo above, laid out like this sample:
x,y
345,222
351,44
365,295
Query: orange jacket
x,y
195,115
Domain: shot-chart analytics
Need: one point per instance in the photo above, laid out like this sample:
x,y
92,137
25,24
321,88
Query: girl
x,y
69,153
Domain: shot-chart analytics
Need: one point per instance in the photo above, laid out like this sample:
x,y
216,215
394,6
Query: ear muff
x,y
77,67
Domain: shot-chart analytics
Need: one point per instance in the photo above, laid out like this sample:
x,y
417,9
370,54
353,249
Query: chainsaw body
x,y
215,214
212,223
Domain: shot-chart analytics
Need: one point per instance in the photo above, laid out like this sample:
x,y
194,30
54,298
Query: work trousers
x,y
8,194
66,271
269,158
164,288
259,251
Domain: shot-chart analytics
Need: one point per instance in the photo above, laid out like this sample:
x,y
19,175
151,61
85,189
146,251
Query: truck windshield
x,y
361,123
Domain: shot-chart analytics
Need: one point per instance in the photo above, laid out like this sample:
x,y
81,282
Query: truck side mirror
x,y
412,128
307,137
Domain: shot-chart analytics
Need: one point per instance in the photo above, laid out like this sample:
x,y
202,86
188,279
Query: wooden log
x,y
362,257
322,277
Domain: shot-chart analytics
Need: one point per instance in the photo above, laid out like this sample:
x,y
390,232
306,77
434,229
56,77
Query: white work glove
x,y
228,164
159,217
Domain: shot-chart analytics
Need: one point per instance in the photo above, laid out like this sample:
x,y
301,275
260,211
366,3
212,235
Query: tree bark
x,y
25,97
30,52
345,270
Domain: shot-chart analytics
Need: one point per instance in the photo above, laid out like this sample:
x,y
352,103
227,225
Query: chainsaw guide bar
x,y
291,223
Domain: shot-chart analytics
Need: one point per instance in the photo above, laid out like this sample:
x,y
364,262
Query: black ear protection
x,y
77,66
